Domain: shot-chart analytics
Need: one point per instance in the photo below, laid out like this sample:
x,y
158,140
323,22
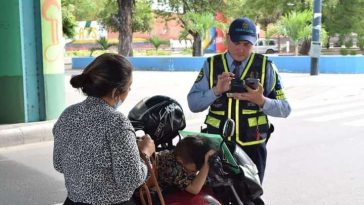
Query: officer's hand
x,y
223,83
253,95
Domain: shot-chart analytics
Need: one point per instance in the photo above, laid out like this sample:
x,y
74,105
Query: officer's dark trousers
x,y
257,153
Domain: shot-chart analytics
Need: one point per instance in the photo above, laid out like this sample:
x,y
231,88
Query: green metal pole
x,y
33,80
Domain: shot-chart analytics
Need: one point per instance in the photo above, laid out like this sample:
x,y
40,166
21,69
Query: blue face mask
x,y
118,104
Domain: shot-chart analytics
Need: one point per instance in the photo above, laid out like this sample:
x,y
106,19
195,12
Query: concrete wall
x,y
152,63
327,64
292,64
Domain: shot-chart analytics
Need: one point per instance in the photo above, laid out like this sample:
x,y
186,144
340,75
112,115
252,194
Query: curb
x,y
24,133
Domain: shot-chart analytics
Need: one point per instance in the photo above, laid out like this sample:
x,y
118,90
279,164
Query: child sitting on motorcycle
x,y
186,167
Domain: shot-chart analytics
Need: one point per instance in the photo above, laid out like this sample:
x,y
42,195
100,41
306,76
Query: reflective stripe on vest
x,y
248,112
213,121
218,112
252,121
230,100
212,72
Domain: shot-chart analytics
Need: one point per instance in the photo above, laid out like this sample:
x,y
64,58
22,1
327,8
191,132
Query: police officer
x,y
250,106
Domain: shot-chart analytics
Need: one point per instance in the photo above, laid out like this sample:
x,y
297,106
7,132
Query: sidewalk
x,y
301,89
24,133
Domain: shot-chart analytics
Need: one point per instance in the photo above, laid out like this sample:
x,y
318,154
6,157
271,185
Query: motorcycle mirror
x,y
229,128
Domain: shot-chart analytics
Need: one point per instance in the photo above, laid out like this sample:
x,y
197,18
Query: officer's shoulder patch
x,y
200,76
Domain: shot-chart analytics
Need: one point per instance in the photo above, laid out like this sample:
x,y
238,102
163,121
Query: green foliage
x,y
296,25
152,52
265,12
341,40
272,30
157,42
194,17
339,16
361,42
103,44
69,23
86,9
182,7
232,9
343,16
197,23
349,43
324,36
142,15
344,51
353,52
107,16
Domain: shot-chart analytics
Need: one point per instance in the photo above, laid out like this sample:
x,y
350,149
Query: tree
x,y
264,12
126,17
183,12
68,19
343,17
197,25
87,10
296,25
233,9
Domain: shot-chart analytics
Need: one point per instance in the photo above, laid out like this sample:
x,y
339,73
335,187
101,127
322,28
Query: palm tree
x,y
103,44
197,25
296,25
157,42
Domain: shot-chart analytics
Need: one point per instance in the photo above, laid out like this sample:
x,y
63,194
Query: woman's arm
x,y
57,149
200,179
128,168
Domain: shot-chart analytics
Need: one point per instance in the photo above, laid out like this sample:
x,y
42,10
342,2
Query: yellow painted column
x,y
53,57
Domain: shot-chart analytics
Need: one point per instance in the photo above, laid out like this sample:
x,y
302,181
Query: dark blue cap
x,y
243,29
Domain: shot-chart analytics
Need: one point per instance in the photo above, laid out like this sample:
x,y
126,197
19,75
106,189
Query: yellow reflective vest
x,y
251,123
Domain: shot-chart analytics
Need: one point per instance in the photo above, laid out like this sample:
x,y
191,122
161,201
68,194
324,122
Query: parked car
x,y
266,46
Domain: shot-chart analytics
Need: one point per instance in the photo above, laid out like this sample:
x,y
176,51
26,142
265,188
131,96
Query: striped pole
x,y
315,50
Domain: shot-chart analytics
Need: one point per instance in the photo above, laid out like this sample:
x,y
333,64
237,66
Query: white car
x,y
266,46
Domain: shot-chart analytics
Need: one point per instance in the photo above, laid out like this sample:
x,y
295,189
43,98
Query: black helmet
x,y
159,116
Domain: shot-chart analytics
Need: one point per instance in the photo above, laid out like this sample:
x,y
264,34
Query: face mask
x,y
118,104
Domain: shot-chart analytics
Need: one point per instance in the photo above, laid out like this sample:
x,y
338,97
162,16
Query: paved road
x,y
315,155
27,176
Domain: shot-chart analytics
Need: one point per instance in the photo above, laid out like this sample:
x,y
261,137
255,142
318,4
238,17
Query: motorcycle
x,y
233,177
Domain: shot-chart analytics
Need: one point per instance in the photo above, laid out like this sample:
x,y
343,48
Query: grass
x,y
144,52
